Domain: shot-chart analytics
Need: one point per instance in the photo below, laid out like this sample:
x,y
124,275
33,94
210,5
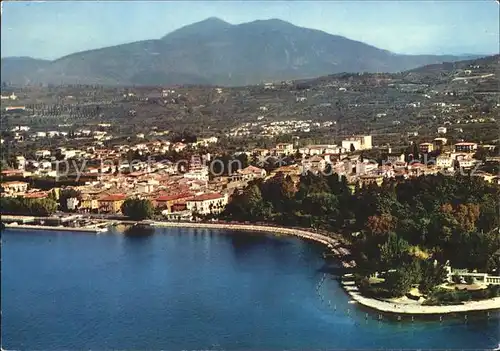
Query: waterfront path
x,y
89,229
415,307
330,242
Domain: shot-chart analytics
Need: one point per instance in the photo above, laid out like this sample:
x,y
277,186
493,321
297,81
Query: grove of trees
x,y
413,226
138,209
27,207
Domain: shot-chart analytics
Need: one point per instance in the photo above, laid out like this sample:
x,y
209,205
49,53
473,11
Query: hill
x,y
218,53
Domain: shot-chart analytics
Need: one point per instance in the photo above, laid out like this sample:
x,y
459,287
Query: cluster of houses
x,y
271,129
182,190
178,191
459,155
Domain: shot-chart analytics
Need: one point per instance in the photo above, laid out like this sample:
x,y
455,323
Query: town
x,y
72,140
250,175
339,166
202,182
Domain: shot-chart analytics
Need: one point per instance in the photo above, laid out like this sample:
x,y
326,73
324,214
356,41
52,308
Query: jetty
x,y
96,229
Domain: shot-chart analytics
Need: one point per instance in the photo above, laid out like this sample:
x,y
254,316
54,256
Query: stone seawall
x,y
323,239
58,229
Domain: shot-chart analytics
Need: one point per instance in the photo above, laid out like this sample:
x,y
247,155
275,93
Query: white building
x,y
467,162
395,157
207,203
366,167
9,97
444,161
146,186
465,147
252,172
20,129
42,153
15,187
52,133
284,149
321,149
178,215
72,203
70,153
313,164
20,162
358,142
442,130
44,165
207,141
199,173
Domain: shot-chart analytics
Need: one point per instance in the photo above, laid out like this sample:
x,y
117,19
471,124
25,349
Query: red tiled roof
x,y
15,182
12,171
113,197
204,197
38,195
172,197
250,169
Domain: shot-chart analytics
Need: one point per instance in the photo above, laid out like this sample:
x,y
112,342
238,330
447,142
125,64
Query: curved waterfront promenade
x,y
415,308
323,239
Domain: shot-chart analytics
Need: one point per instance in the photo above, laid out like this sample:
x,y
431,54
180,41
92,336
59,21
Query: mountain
x,y
21,69
219,53
487,64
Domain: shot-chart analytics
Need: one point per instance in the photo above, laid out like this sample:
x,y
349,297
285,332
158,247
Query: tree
x,y
394,251
243,158
382,224
279,191
138,209
323,207
433,274
28,207
467,215
398,282
416,151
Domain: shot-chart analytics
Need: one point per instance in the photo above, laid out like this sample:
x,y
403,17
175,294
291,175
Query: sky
x,y
51,29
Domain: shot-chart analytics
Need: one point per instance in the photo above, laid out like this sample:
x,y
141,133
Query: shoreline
x,y
348,286
323,239
417,309
56,229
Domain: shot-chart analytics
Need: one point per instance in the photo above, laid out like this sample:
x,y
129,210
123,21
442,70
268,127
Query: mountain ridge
x,y
216,52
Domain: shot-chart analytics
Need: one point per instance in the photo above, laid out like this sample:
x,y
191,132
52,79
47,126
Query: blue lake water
x,y
195,289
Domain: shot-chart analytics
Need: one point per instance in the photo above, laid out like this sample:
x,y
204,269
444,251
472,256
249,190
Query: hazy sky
x,y
52,29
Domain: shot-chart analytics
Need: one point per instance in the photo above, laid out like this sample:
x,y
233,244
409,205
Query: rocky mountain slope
x,y
218,53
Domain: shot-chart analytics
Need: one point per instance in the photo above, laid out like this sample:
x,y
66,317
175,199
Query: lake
x,y
180,288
